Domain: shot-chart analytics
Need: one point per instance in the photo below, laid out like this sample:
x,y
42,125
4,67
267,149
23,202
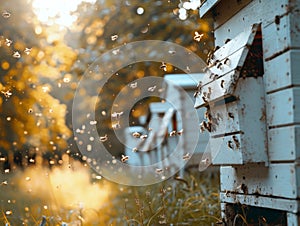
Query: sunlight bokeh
x,y
57,11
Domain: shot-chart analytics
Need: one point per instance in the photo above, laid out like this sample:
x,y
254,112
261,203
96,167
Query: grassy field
x,y
75,196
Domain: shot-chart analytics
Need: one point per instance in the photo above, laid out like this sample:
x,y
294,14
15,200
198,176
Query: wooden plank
x,y
280,180
227,9
231,57
234,59
217,89
256,11
244,38
283,107
224,154
234,118
207,6
293,219
259,201
282,71
284,143
281,36
227,119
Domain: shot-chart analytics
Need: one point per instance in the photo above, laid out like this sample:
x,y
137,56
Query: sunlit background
x,y
45,48
60,12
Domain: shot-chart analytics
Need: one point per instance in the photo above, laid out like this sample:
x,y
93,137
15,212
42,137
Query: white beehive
x,y
272,190
233,93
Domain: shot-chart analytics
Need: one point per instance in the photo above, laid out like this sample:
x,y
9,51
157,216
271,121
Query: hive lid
x,y
228,63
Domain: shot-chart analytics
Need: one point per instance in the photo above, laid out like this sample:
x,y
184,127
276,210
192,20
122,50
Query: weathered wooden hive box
x,y
255,76
233,93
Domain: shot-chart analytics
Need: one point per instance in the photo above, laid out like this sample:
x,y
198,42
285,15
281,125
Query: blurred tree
x,y
111,23
40,66
32,119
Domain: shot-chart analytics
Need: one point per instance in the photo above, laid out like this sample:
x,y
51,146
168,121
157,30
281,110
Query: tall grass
x,y
72,197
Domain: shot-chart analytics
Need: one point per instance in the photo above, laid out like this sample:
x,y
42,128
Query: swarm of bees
x,y
211,123
235,142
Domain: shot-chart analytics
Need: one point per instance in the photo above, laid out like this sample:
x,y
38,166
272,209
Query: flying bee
x,y
16,54
7,93
230,115
227,61
205,161
173,133
209,89
133,85
243,187
8,42
117,114
179,133
136,135
6,14
230,144
116,125
204,99
236,141
114,37
207,115
4,182
134,149
188,69
210,127
227,193
158,170
198,36
227,40
218,116
27,51
124,158
203,126
220,66
151,88
187,156
104,138
196,94
222,84
143,137
199,85
208,95
213,76
163,66
216,48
